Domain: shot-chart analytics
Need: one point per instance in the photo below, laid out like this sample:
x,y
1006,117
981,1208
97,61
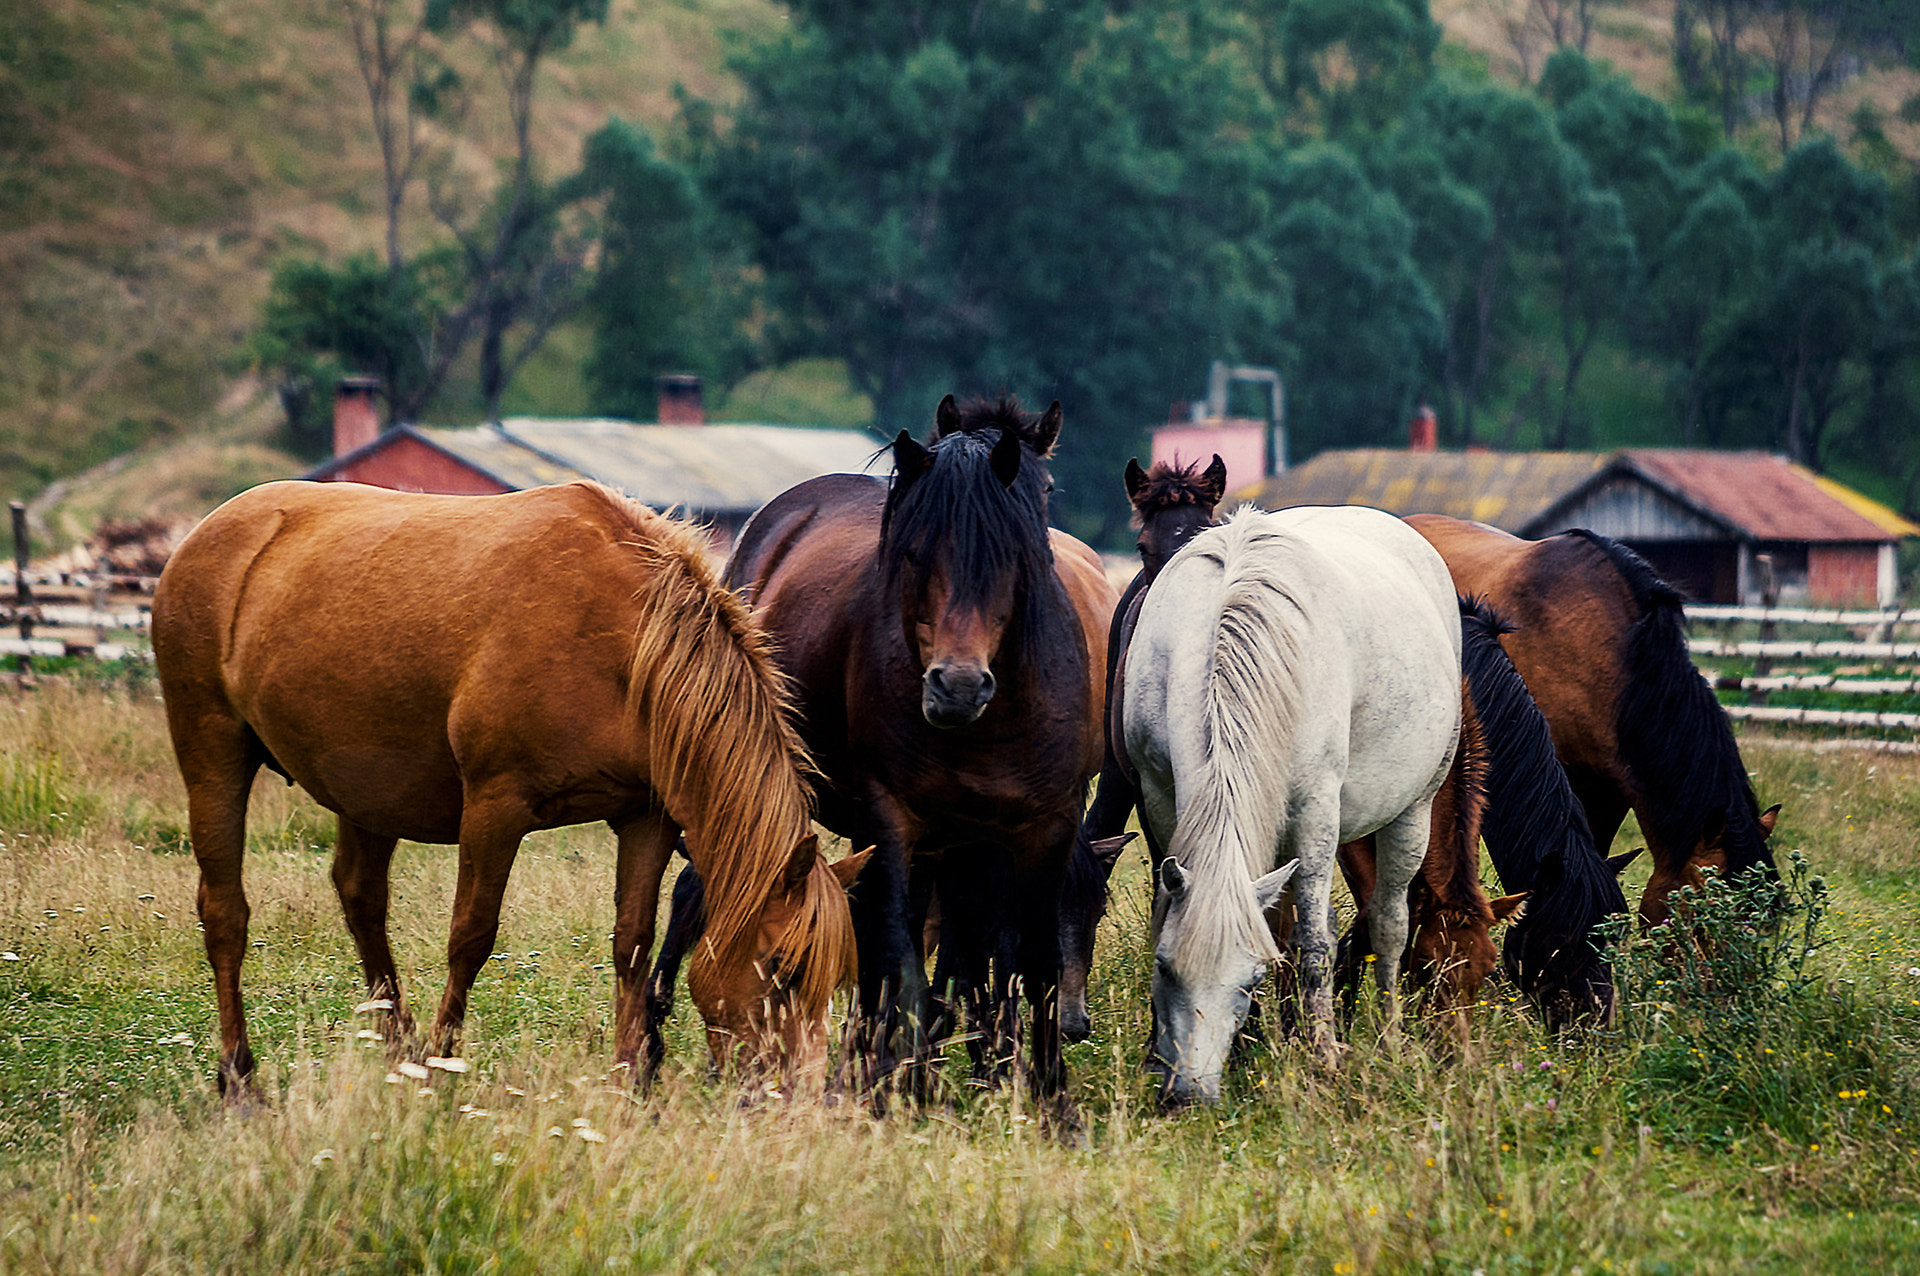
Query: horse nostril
x,y
986,684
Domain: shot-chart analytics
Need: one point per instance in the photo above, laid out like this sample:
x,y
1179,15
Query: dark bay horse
x,y
1601,641
1170,503
945,650
470,669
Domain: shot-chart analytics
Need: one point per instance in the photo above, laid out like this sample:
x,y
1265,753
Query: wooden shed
x,y
1703,519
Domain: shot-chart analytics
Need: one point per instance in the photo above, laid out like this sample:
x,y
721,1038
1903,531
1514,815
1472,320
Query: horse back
x,y
391,649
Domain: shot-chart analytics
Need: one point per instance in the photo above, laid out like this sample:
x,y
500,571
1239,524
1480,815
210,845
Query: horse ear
x,y
1508,908
1214,480
800,863
1617,864
849,868
1047,433
910,460
1173,878
1136,480
1768,818
1005,459
1107,850
946,418
1267,889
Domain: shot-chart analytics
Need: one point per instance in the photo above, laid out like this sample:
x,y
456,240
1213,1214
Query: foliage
x,y
1737,1032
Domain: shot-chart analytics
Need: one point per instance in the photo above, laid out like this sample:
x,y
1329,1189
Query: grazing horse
x,y
1170,503
1450,951
470,669
945,650
1539,840
1292,682
1601,642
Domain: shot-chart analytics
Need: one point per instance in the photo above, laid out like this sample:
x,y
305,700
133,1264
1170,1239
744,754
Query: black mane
x,y
1534,826
1673,733
956,514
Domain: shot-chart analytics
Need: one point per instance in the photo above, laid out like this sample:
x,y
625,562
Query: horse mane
x,y
1672,731
1453,872
1249,717
1169,486
1535,828
726,760
959,514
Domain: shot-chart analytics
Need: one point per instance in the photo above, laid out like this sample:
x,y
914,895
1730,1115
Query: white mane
x,y
1231,819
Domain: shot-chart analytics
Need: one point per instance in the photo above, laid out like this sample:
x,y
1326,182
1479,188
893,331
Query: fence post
x,y
1769,597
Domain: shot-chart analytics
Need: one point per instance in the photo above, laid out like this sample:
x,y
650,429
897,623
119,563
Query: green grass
x,y
1519,1154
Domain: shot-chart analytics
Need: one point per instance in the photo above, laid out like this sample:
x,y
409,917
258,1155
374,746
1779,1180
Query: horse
x,y
1450,952
1539,840
1292,682
944,647
470,669
1170,503
1600,640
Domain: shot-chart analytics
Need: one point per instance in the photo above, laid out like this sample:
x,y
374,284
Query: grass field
x,y
1774,1130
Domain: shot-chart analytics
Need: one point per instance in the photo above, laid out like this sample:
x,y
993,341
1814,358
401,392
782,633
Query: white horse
x,y
1293,682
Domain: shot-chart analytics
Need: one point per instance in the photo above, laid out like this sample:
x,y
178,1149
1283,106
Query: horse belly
x,y
406,789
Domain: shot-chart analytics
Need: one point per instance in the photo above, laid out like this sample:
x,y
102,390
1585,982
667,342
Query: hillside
x,y
156,160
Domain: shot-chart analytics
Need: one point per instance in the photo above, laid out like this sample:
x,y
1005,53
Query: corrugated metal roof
x,y
1505,489
1759,495
704,470
1769,497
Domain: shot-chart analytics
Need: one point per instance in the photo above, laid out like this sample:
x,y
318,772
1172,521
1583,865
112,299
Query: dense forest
x,y
1091,200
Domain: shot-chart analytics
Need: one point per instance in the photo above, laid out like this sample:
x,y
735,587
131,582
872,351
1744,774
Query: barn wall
x,y
1844,574
408,465
1626,509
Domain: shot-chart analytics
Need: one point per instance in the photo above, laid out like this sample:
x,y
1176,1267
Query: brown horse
x,y
1451,952
470,669
1601,643
1170,503
945,650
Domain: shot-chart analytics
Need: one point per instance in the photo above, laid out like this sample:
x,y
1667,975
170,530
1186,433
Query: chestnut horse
x,y
945,648
1601,641
1170,503
470,669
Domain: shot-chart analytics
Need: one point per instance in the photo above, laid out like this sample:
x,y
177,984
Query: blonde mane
x,y
725,757
1237,810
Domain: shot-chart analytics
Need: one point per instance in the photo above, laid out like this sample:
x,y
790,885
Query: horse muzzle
x,y
955,695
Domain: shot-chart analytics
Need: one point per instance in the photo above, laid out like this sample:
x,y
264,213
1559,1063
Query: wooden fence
x,y
1873,658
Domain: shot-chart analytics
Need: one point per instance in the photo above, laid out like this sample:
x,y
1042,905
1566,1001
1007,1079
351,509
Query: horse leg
x,y
1400,849
645,845
686,919
361,863
1038,954
218,762
490,833
893,981
1314,841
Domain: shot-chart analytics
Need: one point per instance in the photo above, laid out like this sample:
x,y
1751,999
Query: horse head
x,y
965,548
1171,503
765,1001
1730,842
1552,954
1453,954
1209,955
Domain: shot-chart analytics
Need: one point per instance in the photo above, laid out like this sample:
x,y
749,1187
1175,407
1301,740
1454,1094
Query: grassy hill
x,y
157,159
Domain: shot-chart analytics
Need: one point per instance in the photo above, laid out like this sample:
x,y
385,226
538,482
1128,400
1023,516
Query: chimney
x,y
680,399
356,421
1423,432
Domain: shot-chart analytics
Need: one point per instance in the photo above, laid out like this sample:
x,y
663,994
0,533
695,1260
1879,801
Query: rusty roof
x,y
1506,489
1754,495
1767,497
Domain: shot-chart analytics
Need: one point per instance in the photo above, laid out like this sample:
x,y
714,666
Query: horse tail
x,y
715,713
1250,715
1673,734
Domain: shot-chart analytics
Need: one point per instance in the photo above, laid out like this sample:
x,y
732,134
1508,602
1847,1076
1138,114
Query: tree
x,y
1058,199
1353,62
1700,271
